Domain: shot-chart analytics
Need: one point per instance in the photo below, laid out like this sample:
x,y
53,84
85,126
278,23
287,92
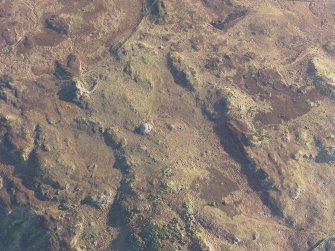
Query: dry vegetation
x,y
239,98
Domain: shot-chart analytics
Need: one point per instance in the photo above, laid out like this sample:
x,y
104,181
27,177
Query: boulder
x,y
145,128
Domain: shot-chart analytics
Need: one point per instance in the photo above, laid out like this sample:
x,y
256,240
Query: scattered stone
x,y
213,204
302,90
137,210
1,183
330,136
251,140
213,63
97,201
255,236
88,125
233,239
296,156
145,129
65,207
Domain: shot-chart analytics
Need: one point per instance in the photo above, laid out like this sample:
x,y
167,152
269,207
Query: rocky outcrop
x,y
230,19
73,92
182,74
157,10
327,244
235,144
321,72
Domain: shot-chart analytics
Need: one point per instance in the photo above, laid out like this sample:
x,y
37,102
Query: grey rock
x,y
99,200
65,207
145,128
213,204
